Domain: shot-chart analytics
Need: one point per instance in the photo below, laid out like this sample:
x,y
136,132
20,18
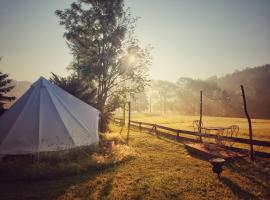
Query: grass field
x,y
158,169
261,128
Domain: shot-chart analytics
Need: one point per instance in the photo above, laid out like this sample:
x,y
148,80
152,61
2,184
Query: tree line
x,y
221,95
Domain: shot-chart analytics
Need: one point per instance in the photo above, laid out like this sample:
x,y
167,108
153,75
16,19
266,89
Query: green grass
x,y
261,127
157,169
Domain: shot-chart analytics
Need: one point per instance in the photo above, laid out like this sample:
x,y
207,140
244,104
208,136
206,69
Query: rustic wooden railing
x,y
181,135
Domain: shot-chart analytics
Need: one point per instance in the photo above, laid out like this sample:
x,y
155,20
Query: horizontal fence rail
x,y
179,134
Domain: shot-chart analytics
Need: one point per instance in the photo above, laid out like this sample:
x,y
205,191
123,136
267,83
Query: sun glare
x,y
131,58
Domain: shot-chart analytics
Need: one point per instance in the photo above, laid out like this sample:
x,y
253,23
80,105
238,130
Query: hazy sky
x,y
194,38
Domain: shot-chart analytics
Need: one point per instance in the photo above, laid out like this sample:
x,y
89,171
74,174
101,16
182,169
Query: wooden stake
x,y
200,125
249,124
129,111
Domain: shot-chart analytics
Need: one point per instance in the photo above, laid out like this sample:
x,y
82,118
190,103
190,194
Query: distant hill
x,y
19,89
256,78
221,95
256,82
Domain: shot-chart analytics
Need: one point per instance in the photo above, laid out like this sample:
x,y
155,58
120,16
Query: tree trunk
x,y
104,116
102,120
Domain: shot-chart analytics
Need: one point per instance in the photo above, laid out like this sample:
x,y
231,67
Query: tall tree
x,y
5,87
166,93
100,36
140,102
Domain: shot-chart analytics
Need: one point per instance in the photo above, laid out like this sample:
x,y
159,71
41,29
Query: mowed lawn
x,y
160,169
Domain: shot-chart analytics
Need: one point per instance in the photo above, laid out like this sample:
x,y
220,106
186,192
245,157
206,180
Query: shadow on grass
x,y
105,191
258,172
236,189
150,132
18,181
199,155
41,189
121,130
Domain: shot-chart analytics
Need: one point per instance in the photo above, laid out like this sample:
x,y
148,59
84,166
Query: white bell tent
x,y
47,118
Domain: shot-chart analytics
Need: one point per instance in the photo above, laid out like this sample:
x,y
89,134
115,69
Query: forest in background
x,y
221,95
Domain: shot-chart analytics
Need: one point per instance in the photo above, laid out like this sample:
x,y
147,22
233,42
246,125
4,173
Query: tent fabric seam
x,y
39,121
90,107
72,114
12,127
60,118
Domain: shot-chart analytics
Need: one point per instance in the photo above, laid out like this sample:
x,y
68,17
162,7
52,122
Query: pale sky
x,y
191,38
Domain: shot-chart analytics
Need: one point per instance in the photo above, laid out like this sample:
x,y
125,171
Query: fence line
x,y
179,135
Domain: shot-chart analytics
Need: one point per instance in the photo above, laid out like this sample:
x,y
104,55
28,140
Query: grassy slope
x,y
161,170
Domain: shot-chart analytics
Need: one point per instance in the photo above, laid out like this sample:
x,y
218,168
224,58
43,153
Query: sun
x,y
131,58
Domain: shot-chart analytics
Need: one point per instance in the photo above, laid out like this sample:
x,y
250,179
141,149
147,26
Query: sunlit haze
x,y
195,39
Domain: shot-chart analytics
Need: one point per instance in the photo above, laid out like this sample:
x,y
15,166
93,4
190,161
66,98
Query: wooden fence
x,y
182,135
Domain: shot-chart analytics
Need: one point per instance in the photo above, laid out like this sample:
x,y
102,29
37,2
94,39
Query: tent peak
x,y
41,81
41,78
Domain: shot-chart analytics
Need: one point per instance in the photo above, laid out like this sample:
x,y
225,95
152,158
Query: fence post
x,y
177,135
249,123
129,107
200,125
140,126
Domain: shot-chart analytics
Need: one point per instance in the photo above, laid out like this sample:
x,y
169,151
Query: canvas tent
x,y
47,118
